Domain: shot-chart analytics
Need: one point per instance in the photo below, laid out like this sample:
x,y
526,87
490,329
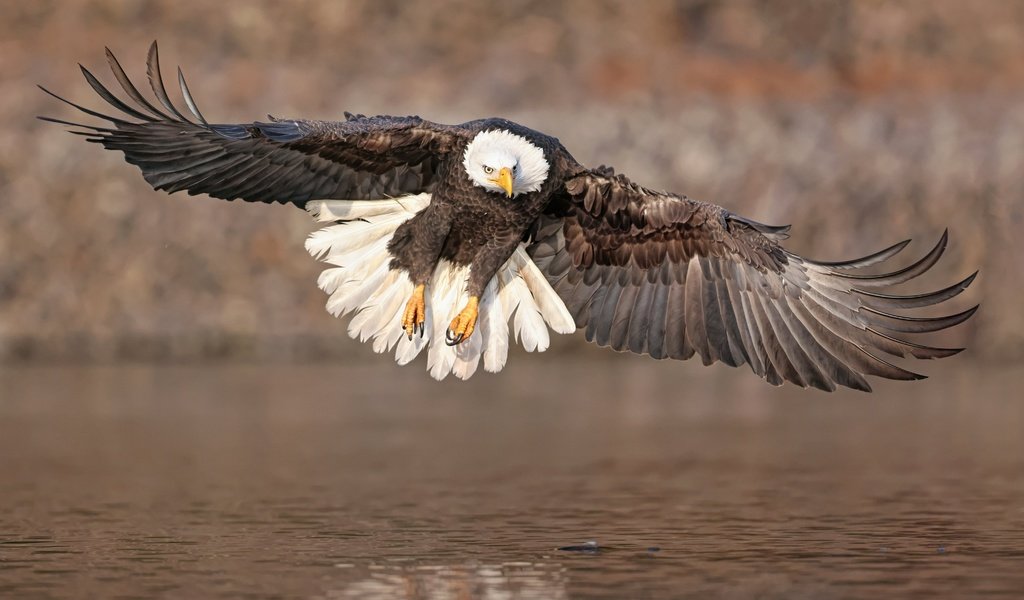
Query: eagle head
x,y
502,162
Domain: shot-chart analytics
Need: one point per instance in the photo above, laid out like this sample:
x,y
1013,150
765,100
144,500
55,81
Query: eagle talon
x,y
453,339
415,313
463,324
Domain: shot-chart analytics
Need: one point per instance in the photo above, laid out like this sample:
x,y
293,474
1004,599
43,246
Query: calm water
x,y
350,482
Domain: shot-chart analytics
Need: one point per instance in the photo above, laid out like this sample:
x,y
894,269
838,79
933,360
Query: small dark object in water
x,y
590,547
654,549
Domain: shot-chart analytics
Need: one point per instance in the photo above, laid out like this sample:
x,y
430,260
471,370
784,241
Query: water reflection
x,y
493,582
342,482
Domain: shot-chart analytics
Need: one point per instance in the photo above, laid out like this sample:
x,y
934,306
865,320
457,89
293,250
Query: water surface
x,y
329,481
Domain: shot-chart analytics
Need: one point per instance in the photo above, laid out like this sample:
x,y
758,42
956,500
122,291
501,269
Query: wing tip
x,y
969,279
189,100
864,261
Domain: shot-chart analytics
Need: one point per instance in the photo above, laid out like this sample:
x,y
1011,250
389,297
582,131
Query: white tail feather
x,y
528,324
519,296
370,319
343,210
352,267
448,295
391,306
493,329
345,239
350,297
550,304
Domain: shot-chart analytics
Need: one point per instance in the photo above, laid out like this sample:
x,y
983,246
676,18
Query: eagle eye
x,y
488,170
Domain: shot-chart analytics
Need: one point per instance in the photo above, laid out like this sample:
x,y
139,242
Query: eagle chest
x,y
476,220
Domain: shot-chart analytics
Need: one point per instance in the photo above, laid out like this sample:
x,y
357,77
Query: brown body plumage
x,y
469,226
643,271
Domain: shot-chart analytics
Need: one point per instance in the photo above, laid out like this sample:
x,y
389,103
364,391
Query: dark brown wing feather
x,y
279,161
659,274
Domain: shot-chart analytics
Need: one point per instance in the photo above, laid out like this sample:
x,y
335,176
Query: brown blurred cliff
x,y
862,123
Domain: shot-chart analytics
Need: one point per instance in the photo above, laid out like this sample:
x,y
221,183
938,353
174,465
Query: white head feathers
x,y
492,151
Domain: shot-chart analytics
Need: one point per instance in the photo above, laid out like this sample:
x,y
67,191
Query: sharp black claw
x,y
423,328
452,339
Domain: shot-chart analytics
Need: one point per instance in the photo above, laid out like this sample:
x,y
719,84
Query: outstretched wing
x,y
279,161
664,275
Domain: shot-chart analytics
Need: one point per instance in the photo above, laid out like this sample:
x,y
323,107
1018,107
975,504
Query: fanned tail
x,y
362,282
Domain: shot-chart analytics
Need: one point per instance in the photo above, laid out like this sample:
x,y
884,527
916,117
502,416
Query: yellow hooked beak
x,y
504,180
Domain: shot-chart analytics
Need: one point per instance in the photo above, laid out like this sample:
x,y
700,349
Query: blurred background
x,y
180,417
861,123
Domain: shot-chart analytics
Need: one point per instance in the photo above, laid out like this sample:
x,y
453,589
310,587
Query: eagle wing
x,y
287,161
660,274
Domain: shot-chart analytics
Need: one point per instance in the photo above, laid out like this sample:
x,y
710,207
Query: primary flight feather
x,y
465,239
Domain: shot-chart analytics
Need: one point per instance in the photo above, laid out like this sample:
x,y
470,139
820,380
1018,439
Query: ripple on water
x,y
245,481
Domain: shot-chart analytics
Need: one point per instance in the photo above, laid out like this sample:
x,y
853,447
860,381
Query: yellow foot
x,y
415,313
464,323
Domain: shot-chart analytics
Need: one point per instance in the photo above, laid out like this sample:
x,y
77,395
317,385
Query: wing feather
x,y
130,89
656,273
287,161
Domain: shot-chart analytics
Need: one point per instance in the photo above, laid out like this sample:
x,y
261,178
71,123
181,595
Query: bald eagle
x,y
459,239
